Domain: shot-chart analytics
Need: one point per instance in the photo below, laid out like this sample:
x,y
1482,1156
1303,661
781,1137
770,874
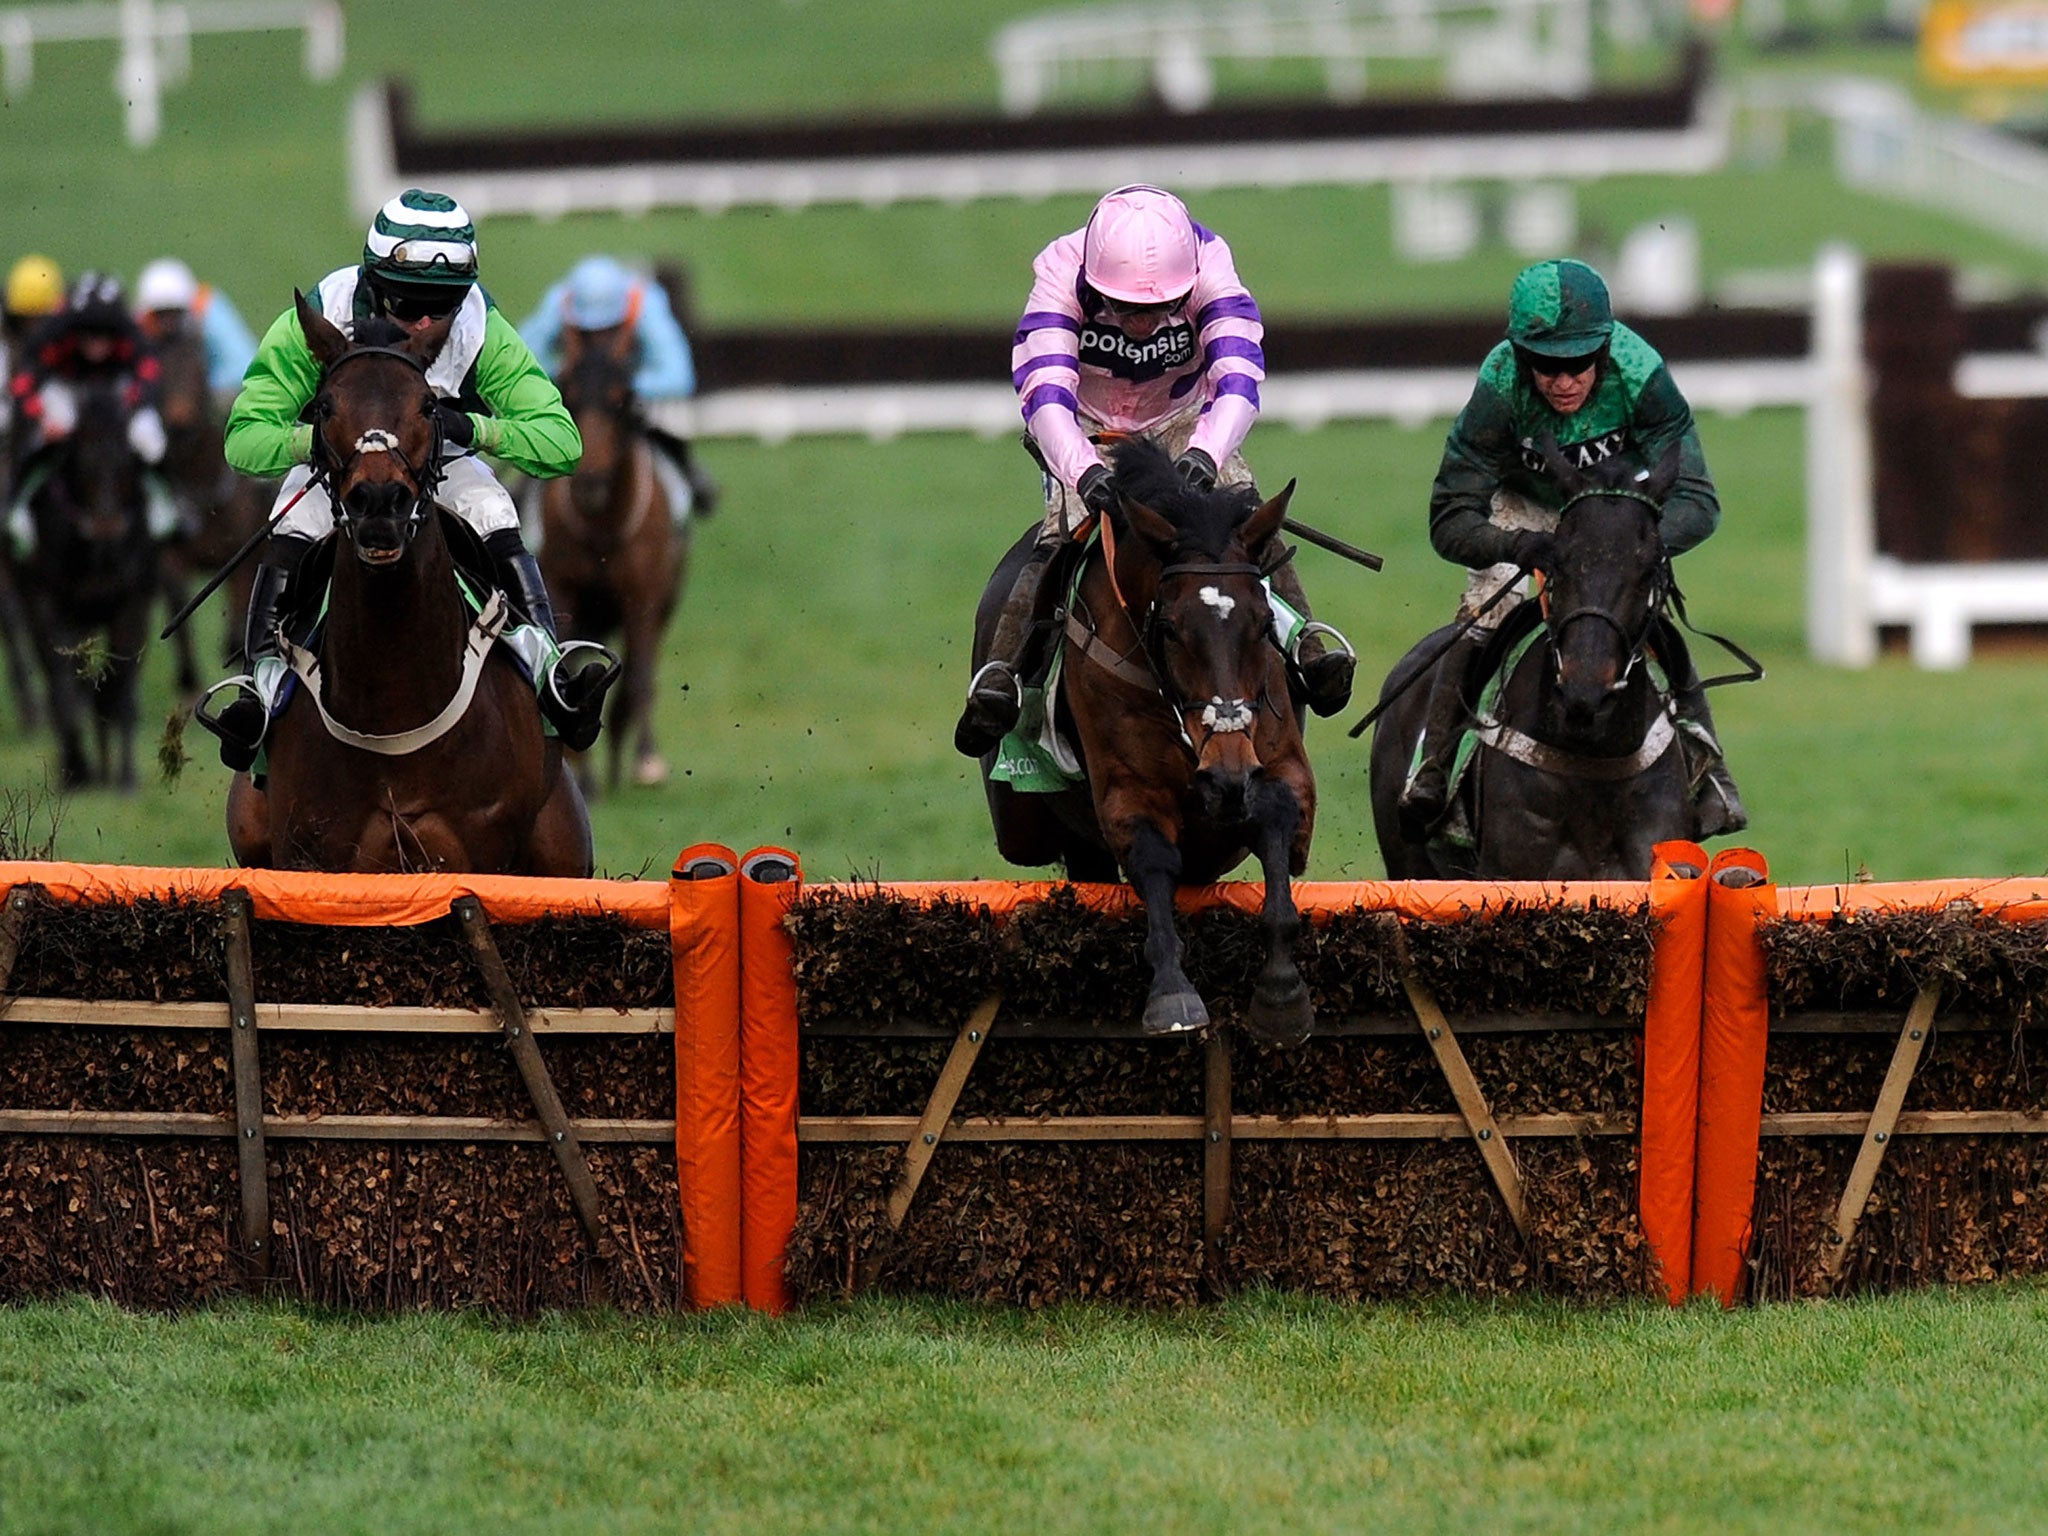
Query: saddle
x,y
1039,757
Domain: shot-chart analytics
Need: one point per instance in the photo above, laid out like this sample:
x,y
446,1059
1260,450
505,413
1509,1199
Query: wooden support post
x,y
1215,1156
1884,1120
931,1128
253,1166
13,918
1450,1059
561,1136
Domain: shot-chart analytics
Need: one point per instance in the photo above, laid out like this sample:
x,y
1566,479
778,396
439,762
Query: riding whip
x,y
248,548
1423,668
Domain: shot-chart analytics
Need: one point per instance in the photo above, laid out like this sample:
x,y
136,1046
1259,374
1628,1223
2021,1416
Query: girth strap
x,y
476,649
1527,750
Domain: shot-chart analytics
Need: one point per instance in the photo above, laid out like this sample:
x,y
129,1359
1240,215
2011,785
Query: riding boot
x,y
242,722
1715,800
995,696
1322,676
1426,795
570,684
704,491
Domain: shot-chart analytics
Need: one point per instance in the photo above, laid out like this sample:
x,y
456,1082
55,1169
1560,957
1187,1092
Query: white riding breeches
x,y
468,489
1522,515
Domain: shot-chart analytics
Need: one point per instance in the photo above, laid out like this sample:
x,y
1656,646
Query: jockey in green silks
x,y
419,265
1568,369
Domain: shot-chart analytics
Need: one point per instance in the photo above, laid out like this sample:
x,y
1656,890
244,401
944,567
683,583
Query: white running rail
x,y
1486,48
156,42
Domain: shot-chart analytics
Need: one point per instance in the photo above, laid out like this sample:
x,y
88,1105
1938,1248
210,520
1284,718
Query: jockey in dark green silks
x,y
418,268
1568,369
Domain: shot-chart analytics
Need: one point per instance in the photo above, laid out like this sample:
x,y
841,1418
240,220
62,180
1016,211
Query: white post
x,y
135,77
18,44
1840,521
323,40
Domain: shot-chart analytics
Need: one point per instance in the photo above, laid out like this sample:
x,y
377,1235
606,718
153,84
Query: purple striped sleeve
x,y
1053,394
1046,360
1239,384
1234,346
1044,320
1234,306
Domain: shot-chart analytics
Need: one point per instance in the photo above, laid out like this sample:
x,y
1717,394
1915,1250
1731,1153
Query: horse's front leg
x,y
1153,865
1281,1011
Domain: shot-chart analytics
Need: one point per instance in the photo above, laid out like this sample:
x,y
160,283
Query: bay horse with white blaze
x,y
1578,773
611,553
412,742
1183,721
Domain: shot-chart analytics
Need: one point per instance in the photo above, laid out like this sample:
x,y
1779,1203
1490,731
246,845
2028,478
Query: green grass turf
x,y
816,664
1265,1414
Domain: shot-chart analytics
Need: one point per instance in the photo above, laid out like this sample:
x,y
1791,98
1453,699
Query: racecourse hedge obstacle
x,y
404,1091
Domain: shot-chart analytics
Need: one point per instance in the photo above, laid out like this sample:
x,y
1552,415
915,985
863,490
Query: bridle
x,y
1661,587
1220,716
330,472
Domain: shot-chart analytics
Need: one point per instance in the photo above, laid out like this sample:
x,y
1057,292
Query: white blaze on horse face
x,y
376,440
1218,601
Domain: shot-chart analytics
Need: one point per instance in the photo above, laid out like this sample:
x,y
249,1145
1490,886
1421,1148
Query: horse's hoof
x,y
1175,1013
650,771
1281,1015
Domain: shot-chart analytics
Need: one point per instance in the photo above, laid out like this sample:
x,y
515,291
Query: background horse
x,y
88,585
1179,704
611,553
1584,775
489,793
218,508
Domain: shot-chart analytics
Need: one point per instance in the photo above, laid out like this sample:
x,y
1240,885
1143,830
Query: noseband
x,y
1636,641
425,479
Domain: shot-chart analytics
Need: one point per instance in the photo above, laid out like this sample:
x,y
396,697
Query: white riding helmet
x,y
1140,247
166,283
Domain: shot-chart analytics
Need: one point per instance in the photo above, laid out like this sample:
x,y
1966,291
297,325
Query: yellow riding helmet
x,y
34,287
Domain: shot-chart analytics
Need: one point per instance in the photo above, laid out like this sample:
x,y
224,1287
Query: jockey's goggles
x,y
1120,310
407,308
1559,367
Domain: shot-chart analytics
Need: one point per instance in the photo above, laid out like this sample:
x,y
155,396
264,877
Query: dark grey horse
x,y
1580,773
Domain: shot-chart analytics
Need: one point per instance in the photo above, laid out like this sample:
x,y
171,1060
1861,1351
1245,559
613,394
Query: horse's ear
x,y
426,345
621,345
323,337
572,347
1265,522
1657,483
1568,479
1149,525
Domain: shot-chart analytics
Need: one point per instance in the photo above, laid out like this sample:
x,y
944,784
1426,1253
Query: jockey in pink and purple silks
x,y
1137,322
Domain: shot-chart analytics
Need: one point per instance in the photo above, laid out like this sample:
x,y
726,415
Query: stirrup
x,y
1002,669
244,685
607,670
1318,627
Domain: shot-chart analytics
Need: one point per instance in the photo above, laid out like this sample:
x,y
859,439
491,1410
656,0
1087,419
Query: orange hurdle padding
x,y
350,901
770,879
1671,1060
1734,1036
704,930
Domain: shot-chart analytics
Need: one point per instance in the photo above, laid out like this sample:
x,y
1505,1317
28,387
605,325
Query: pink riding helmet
x,y
1140,247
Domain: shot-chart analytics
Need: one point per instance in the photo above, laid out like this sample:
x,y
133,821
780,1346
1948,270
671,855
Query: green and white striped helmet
x,y
422,237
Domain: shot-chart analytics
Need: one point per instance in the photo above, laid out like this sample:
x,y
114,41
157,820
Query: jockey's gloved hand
x,y
1098,490
1198,469
456,427
1534,550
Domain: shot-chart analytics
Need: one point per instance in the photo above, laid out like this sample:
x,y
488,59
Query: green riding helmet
x,y
421,239
1559,309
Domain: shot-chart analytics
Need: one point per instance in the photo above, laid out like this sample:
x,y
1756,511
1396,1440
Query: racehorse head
x,y
596,380
96,487
1184,566
376,437
1608,579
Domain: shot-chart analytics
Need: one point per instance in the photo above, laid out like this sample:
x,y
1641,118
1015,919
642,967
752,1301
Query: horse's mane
x,y
1205,519
379,331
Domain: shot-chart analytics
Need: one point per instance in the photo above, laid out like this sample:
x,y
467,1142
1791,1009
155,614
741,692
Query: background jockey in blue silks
x,y
168,298
599,295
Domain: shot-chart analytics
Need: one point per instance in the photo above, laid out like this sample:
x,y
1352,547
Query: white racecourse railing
x,y
1485,47
156,42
